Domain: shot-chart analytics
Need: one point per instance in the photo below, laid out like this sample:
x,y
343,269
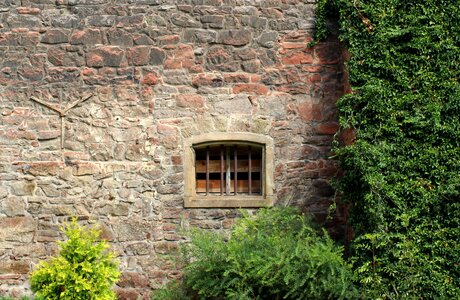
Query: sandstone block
x,y
250,88
268,39
23,188
101,20
133,230
234,37
133,279
119,37
13,206
190,101
213,21
17,228
87,36
14,267
157,56
296,58
328,128
28,10
65,21
200,36
184,20
138,56
55,36
106,56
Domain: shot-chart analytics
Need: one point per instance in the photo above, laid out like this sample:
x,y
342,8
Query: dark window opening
x,y
229,169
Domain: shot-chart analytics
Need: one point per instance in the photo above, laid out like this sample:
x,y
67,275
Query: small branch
x,y
50,106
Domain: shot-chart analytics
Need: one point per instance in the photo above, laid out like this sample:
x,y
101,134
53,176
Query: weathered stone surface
x,y
125,84
55,36
200,36
23,188
107,56
184,20
87,36
157,56
13,206
138,56
235,37
119,37
17,228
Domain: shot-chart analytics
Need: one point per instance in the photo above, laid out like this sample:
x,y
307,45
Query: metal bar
x,y
207,170
262,173
221,170
249,170
235,170
227,171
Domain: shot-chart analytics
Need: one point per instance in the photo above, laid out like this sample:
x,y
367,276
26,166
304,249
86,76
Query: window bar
x,y
207,170
222,170
227,171
235,161
249,171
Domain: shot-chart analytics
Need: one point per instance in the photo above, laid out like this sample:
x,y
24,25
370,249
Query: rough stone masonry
x,y
155,73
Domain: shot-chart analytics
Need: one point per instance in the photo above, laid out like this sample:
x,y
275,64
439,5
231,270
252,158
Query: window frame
x,y
191,199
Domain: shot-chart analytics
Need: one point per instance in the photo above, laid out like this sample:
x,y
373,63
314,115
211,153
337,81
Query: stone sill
x,y
242,201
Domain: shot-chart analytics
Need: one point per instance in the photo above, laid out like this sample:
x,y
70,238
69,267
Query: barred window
x,y
229,170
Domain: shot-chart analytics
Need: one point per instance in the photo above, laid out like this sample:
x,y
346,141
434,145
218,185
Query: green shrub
x,y
402,173
84,269
273,255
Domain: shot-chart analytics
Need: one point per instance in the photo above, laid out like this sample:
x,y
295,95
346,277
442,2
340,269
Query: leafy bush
x,y
273,255
402,173
84,269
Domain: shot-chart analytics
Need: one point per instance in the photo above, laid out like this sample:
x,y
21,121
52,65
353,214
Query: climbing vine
x,y
402,174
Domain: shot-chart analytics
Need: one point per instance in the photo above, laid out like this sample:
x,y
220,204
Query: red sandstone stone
x,y
290,45
238,77
191,101
184,52
28,10
56,56
296,58
207,80
169,39
312,69
150,79
110,56
138,56
55,36
250,88
309,111
87,36
327,128
171,63
195,69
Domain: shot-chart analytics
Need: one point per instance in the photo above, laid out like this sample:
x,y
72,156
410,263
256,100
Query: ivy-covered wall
x,y
402,174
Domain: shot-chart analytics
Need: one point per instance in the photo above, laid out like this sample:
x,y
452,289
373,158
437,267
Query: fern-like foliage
x,y
276,254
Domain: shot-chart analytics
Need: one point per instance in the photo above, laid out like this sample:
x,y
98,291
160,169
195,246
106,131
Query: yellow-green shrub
x,y
84,268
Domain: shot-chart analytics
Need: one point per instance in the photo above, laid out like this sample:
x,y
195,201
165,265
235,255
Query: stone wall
x,y
151,73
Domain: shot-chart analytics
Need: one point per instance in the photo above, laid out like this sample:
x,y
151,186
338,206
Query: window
x,y
228,170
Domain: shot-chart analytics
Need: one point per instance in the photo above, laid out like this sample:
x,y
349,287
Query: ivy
x,y
402,175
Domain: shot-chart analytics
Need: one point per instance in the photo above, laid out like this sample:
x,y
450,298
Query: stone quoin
x,y
159,73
